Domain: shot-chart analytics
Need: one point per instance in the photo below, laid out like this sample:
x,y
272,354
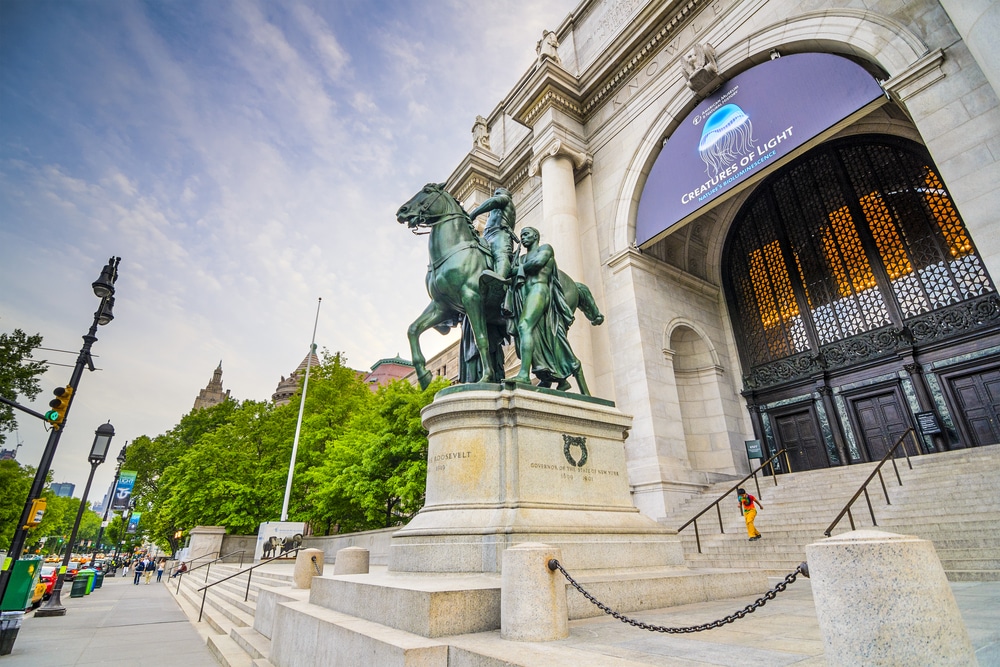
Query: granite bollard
x,y
883,599
351,560
532,597
308,564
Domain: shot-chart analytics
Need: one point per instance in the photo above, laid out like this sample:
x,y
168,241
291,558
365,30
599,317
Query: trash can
x,y
88,574
79,586
24,574
10,623
98,579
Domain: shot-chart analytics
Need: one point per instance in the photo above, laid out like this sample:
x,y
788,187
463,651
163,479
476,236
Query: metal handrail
x,y
249,570
207,565
878,471
753,473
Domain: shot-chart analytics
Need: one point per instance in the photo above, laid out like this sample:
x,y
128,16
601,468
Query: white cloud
x,y
243,161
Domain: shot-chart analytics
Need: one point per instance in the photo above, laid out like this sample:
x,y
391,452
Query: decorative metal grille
x,y
850,233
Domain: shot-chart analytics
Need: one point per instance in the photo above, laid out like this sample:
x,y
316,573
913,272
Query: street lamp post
x,y
111,497
98,453
104,288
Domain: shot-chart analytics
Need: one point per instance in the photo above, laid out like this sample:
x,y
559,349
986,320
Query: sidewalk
x,y
117,624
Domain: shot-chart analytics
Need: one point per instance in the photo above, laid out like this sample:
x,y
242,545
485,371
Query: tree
x,y
18,375
150,457
15,482
376,471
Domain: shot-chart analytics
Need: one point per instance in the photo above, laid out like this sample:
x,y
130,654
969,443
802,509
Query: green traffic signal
x,y
59,405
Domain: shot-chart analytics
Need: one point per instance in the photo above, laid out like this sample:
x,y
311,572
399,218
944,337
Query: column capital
x,y
558,147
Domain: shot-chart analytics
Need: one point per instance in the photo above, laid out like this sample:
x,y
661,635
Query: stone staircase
x,y
227,620
947,498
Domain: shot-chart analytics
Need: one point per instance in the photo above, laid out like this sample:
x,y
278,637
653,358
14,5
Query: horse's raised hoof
x,y
597,321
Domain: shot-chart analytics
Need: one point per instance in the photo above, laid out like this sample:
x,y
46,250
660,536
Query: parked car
x,y
37,595
49,575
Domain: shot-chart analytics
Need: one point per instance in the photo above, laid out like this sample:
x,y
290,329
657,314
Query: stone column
x,y
926,403
883,599
206,544
308,564
978,22
351,560
826,396
532,597
560,228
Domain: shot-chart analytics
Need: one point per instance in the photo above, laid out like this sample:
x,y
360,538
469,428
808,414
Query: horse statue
x,y
458,292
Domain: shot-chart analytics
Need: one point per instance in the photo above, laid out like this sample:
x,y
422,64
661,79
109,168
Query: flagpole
x,y
298,424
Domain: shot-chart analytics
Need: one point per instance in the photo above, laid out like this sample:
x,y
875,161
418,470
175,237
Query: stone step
x,y
973,575
340,639
252,642
228,652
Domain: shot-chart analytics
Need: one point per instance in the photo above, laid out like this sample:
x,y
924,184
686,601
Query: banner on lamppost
x,y
123,490
133,523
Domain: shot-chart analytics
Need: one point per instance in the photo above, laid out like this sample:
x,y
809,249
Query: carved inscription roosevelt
x,y
440,461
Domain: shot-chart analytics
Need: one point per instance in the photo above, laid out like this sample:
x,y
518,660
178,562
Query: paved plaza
x,y
122,624
117,624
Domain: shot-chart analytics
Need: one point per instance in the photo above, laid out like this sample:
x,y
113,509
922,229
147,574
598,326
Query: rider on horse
x,y
499,231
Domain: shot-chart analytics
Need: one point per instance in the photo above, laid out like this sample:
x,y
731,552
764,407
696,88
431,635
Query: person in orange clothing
x,y
747,503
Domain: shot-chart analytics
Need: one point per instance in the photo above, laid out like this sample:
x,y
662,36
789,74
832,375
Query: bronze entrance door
x,y
881,419
977,396
798,432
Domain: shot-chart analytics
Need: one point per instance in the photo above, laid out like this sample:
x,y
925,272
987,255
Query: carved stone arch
x,y
866,35
707,419
683,323
871,37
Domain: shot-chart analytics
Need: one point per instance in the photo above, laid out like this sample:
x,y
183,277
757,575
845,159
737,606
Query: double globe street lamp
x,y
98,454
104,289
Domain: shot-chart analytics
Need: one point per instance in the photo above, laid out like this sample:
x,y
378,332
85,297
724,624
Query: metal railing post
x,y
889,456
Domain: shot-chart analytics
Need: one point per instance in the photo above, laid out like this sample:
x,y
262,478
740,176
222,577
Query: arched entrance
x,y
859,302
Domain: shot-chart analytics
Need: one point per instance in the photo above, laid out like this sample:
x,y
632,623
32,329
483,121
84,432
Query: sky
x,y
243,158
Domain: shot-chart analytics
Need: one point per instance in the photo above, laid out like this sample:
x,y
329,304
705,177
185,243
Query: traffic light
x,y
37,512
59,405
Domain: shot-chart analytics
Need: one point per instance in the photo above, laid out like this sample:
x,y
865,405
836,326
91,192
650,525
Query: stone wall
x,y
376,541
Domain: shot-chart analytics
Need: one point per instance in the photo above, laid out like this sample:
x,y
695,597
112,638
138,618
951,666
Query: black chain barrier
x,y
802,569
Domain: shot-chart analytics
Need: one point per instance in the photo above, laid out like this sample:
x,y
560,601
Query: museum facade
x,y
788,212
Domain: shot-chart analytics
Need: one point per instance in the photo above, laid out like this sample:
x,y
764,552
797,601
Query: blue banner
x,y
133,523
742,130
123,490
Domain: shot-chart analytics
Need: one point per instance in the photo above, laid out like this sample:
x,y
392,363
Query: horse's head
x,y
428,207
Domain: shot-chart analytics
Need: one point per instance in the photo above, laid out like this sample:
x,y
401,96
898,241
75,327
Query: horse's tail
x,y
588,306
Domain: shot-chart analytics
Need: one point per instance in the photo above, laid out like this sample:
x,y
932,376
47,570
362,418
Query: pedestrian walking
x,y
159,570
138,571
747,503
125,569
148,570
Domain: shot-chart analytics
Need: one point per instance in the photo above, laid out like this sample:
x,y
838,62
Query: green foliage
x,y
15,483
18,374
375,473
361,461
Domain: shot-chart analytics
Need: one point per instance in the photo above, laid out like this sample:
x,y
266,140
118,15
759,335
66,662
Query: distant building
x,y
287,387
213,393
63,489
384,371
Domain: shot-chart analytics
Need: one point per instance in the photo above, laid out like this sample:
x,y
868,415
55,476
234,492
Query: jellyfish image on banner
x,y
727,135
